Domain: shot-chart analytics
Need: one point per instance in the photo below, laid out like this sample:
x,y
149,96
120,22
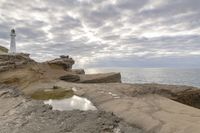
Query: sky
x,y
106,33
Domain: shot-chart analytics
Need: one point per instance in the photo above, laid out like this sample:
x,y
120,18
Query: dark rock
x,y
101,78
70,78
64,56
78,71
189,97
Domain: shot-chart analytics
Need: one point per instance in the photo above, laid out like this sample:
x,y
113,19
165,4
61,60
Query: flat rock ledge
x,y
93,78
19,114
101,78
14,67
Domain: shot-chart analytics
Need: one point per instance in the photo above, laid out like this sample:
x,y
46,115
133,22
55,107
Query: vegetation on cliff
x,y
3,50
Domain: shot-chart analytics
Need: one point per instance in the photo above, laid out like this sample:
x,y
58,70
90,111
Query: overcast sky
x,y
102,33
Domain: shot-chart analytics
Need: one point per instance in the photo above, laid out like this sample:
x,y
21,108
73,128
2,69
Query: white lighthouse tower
x,y
12,42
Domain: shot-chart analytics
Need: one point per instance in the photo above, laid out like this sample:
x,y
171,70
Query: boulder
x,y
101,78
70,78
64,61
93,78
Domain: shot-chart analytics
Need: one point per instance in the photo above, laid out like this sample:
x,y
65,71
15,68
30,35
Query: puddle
x,y
63,99
52,94
73,103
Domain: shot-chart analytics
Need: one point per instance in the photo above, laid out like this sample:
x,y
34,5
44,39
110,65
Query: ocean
x,y
182,76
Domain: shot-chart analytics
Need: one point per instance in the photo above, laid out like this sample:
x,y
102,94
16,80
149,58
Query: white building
x,y
12,42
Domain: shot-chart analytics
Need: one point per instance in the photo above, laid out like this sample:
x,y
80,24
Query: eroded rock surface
x,y
189,97
149,111
65,61
21,115
70,78
101,78
152,110
184,94
13,61
14,67
92,78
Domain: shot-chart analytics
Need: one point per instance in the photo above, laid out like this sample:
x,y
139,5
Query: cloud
x,y
106,32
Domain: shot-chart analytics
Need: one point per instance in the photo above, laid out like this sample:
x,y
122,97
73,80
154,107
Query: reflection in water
x,y
72,103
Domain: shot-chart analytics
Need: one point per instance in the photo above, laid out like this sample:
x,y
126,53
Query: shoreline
x,y
172,76
140,108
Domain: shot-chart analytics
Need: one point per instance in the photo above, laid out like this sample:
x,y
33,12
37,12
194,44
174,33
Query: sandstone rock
x,y
152,110
101,78
189,97
19,69
152,107
63,61
70,78
12,61
184,94
19,114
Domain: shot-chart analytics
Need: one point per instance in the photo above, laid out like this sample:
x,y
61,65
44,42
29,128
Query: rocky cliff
x,y
140,108
14,61
14,67
65,61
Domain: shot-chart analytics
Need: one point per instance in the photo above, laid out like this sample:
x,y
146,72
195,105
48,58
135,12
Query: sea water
x,y
176,76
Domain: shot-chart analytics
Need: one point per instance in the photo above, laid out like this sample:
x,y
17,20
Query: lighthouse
x,y
12,42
